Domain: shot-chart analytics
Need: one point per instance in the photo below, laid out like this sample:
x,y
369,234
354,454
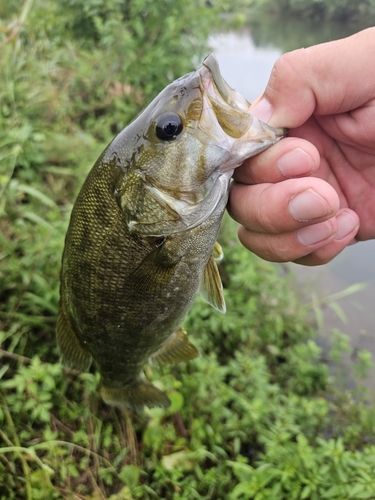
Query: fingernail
x,y
295,163
311,235
308,205
346,223
262,110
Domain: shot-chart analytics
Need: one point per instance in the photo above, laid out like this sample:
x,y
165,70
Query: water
x,y
246,68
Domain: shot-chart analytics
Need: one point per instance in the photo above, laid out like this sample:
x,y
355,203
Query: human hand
x,y
313,193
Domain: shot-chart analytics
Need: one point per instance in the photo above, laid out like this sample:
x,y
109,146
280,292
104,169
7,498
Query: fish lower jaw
x,y
252,143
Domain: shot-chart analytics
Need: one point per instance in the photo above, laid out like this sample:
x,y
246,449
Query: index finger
x,y
290,158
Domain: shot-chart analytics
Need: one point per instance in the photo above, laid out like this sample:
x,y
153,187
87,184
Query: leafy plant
x,y
256,416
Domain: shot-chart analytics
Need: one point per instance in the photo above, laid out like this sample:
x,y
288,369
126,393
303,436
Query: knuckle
x,y
288,62
286,73
272,249
278,250
314,259
267,217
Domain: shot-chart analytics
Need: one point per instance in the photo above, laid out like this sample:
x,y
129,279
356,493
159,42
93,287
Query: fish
x,y
141,242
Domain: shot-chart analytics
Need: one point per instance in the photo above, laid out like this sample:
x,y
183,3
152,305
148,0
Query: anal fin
x,y
135,397
211,286
71,350
176,349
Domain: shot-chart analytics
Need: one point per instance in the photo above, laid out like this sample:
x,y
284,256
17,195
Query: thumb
x,y
329,78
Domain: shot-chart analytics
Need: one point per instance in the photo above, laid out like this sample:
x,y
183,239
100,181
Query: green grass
x,y
256,415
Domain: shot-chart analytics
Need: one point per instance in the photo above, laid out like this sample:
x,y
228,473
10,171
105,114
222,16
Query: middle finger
x,y
290,158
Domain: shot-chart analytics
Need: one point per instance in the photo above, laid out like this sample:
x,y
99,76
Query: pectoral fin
x,y
71,350
155,271
177,348
217,253
211,286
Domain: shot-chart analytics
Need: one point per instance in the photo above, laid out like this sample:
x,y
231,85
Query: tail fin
x,y
135,397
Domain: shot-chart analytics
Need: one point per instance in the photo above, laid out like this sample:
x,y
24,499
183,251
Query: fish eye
x,y
169,126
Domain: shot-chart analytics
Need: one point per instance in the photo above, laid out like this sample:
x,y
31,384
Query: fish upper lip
x,y
209,76
211,64
217,89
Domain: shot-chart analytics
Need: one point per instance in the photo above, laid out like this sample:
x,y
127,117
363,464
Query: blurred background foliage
x,y
257,416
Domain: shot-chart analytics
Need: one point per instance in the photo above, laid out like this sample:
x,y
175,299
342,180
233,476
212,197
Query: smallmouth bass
x,y
141,242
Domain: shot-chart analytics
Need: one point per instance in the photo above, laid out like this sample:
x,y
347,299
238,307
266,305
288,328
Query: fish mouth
x,y
230,107
233,98
244,134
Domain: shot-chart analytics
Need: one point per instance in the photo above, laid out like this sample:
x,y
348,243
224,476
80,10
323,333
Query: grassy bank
x,y
256,415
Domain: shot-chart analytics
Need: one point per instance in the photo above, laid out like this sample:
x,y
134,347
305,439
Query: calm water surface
x,y
247,69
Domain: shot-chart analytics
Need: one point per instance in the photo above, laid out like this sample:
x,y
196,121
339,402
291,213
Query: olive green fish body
x,y
126,311
141,241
